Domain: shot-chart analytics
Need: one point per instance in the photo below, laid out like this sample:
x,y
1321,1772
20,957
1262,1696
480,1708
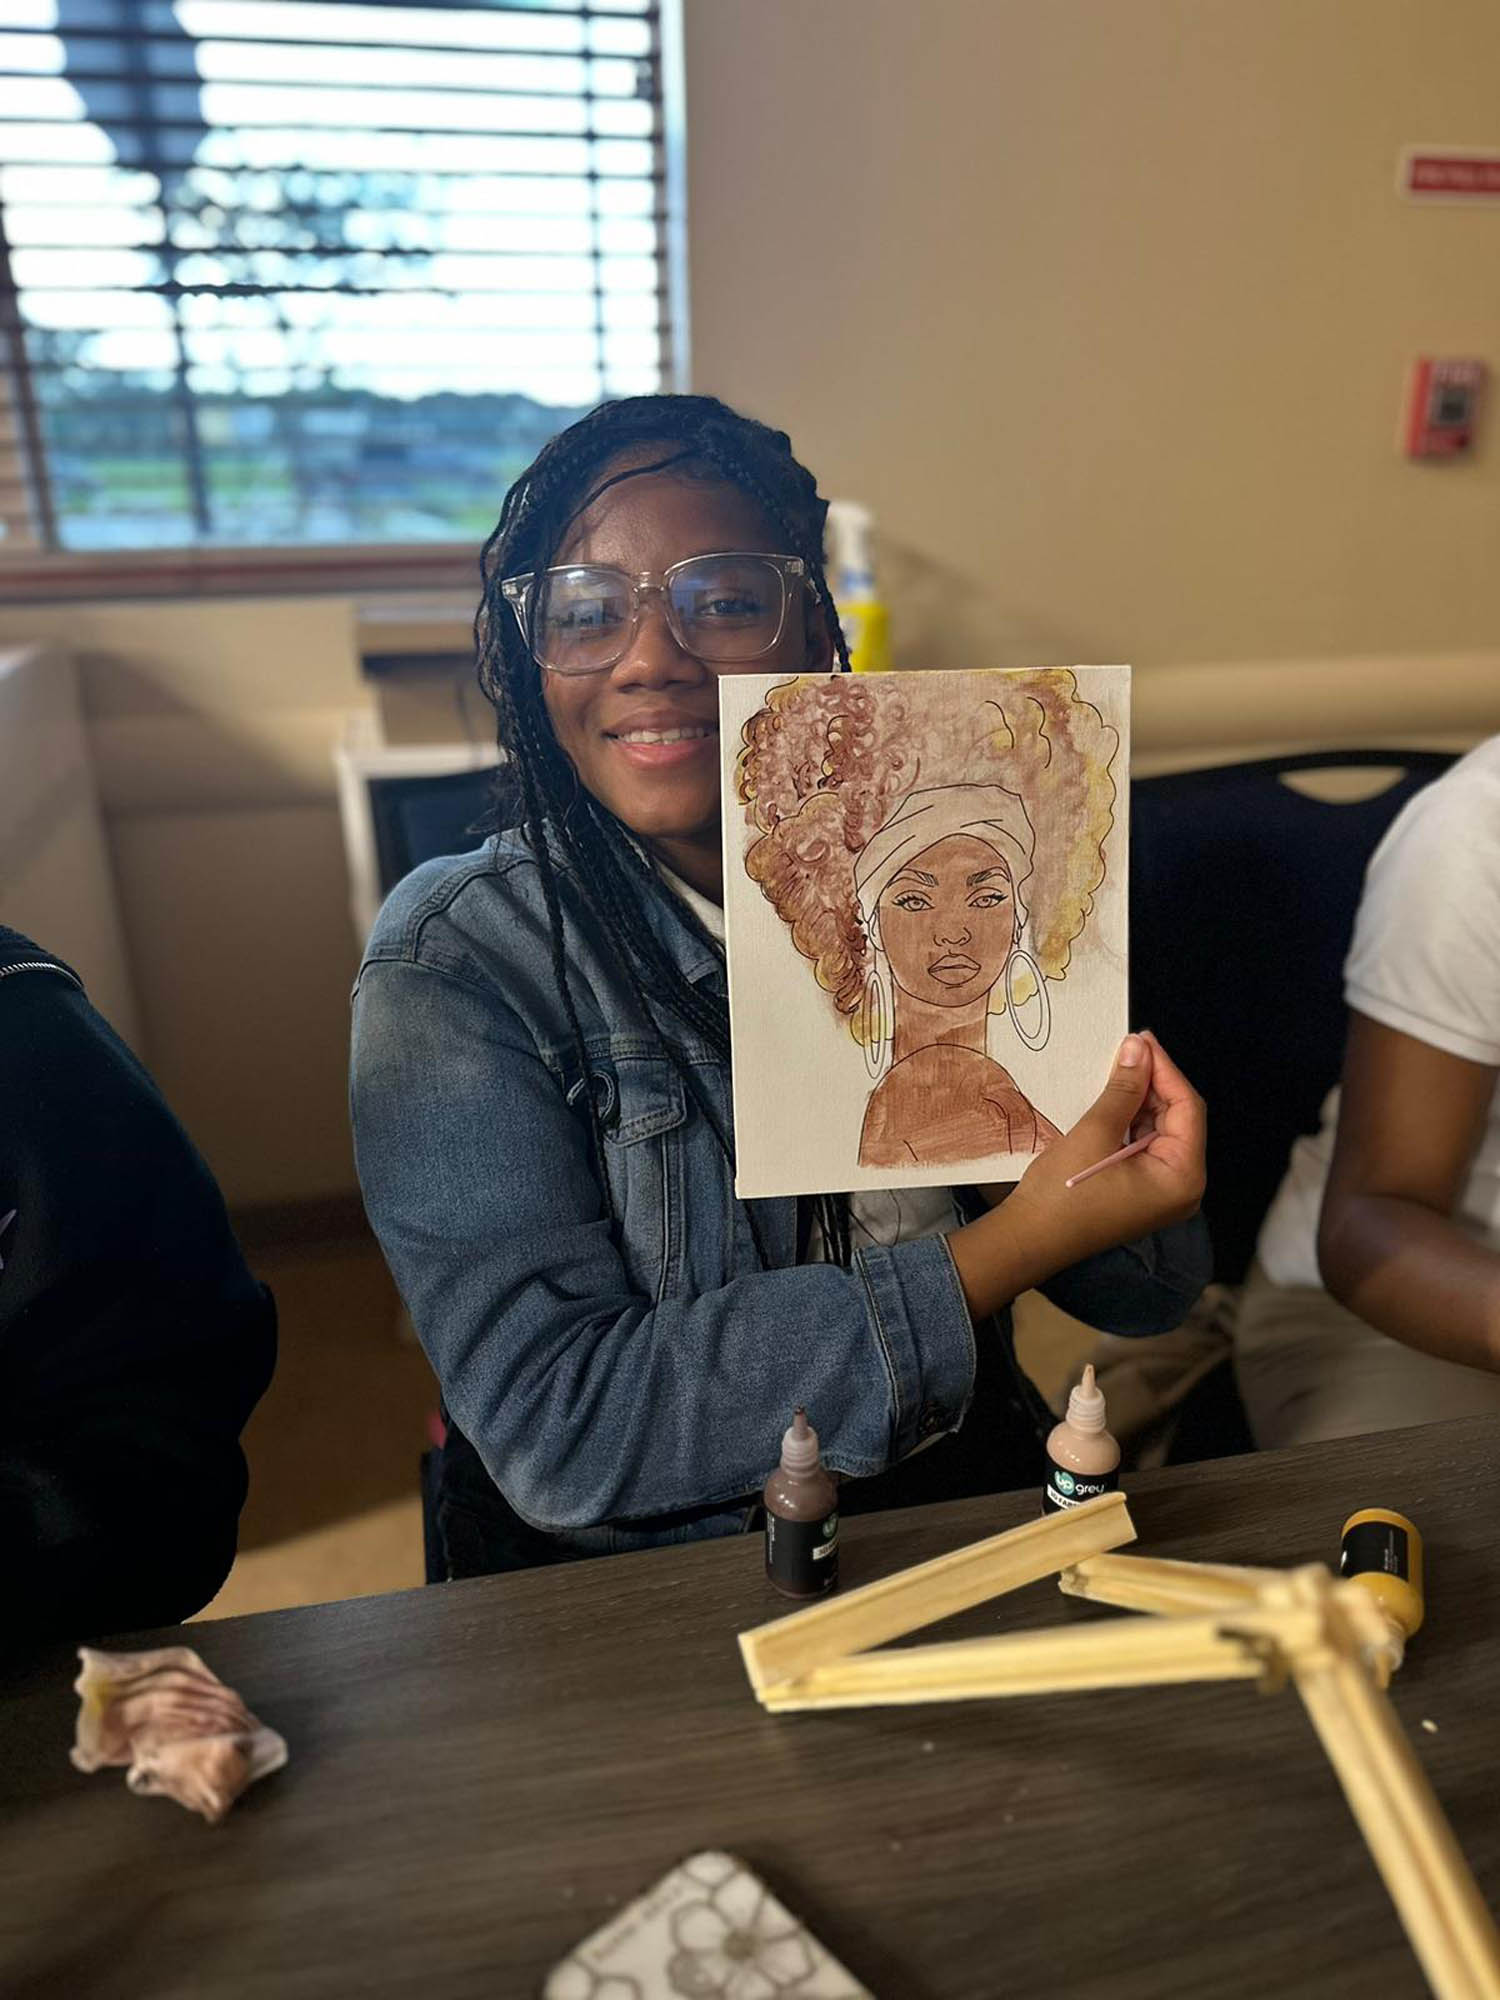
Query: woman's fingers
x,y
1167,1080
1147,1097
1174,1116
1116,1117
1168,1111
1119,1104
1173,1102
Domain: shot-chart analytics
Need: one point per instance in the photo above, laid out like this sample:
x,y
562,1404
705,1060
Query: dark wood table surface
x,y
480,1774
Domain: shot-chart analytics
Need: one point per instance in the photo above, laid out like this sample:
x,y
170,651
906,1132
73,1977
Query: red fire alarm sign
x,y
1447,173
1442,408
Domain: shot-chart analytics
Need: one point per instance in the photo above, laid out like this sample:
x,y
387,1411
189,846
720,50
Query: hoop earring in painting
x,y
1033,1033
876,1018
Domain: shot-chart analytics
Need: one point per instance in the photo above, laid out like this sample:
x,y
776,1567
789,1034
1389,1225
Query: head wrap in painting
x,y
985,812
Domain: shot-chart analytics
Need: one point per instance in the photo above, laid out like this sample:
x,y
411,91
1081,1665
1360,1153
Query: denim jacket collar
x,y
696,958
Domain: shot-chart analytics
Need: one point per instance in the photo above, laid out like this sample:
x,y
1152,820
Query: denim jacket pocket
x,y
643,1108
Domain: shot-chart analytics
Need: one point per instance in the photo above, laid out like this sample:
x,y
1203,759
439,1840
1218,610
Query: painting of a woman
x,y
934,844
939,889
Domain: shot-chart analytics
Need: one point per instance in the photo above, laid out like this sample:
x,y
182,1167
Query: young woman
x,y
541,1071
1374,1301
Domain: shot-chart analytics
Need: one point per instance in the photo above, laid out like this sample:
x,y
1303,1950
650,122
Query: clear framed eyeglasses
x,y
724,609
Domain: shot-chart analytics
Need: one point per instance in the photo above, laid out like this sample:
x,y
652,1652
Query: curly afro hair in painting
x,y
826,765
564,826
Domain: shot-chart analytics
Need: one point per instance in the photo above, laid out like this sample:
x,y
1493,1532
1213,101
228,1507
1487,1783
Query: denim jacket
x,y
610,1378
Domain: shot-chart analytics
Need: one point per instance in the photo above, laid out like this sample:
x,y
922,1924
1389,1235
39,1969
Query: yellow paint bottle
x,y
1382,1553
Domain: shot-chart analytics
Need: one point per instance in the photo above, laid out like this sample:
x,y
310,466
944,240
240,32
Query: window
x,y
315,271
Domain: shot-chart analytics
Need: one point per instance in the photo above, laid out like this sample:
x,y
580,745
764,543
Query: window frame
x,y
35,570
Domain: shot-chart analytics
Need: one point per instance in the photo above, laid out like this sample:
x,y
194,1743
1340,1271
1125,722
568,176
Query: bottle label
x,y
1378,1546
1066,1488
803,1556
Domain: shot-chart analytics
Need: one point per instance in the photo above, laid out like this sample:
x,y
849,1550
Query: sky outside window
x,y
231,221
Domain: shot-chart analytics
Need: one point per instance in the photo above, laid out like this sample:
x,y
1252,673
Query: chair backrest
x,y
417,818
1243,893
400,804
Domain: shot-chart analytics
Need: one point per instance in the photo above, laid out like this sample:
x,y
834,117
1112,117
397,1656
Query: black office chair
x,y
415,818
1243,894
418,818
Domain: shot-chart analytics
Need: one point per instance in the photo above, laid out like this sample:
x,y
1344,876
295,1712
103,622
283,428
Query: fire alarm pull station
x,y
1442,408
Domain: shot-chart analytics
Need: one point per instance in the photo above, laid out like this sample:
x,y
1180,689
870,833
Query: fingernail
x,y
1132,1049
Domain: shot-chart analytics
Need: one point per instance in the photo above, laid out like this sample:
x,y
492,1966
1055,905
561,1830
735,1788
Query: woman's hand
x,y
1147,1095
1045,1226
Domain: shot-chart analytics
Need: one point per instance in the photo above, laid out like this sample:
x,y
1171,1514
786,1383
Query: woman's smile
x,y
663,743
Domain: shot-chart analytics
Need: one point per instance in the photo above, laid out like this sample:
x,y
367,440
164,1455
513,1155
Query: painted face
x,y
610,723
948,920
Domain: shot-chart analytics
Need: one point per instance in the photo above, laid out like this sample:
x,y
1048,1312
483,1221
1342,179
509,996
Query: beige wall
x,y
57,880
1106,309
211,729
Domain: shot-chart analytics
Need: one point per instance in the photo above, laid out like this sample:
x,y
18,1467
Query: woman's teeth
x,y
666,735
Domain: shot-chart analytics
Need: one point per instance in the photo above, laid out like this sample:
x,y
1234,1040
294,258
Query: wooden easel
x,y
1215,1622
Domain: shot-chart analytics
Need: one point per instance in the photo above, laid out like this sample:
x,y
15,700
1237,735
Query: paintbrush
x,y
1088,1173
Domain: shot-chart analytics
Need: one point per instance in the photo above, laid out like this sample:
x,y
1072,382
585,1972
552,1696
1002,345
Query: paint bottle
x,y
1083,1460
802,1517
1382,1552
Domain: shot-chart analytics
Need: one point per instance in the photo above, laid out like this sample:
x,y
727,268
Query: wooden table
x,y
481,1773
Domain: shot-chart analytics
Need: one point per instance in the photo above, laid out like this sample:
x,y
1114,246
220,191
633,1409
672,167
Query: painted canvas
x,y
924,895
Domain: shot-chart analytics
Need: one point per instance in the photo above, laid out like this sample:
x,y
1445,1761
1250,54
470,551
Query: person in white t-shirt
x,y
1375,1298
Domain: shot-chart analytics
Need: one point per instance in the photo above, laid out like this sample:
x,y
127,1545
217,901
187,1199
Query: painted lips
x,y
953,969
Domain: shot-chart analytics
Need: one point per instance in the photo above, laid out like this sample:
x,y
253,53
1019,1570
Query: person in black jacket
x,y
134,1343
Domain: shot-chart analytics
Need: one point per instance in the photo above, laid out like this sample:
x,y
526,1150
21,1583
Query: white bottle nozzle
x,y
799,1445
1086,1404
848,549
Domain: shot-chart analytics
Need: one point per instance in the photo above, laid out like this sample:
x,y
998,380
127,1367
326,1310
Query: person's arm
x,y
1074,1243
1410,1121
121,1473
133,1341
587,1398
1138,1288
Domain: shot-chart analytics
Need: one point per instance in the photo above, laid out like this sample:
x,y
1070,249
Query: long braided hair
x,y
538,789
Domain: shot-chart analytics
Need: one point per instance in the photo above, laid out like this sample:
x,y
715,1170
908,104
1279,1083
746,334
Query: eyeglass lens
x,y
720,608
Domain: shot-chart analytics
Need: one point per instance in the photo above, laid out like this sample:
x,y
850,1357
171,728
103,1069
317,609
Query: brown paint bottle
x,y
802,1517
1083,1460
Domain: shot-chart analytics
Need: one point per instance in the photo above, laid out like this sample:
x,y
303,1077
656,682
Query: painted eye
x,y
988,899
913,900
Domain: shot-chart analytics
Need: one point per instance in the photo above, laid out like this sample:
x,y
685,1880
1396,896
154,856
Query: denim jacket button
x,y
931,1420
